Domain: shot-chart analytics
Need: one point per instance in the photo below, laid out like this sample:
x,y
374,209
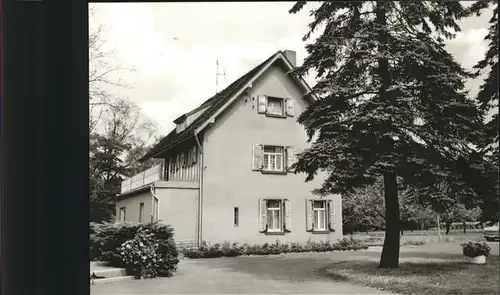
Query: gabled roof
x,y
214,104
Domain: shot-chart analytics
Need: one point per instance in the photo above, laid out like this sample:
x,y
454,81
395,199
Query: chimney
x,y
291,56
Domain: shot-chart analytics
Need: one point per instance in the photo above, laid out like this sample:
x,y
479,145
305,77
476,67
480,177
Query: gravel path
x,y
279,274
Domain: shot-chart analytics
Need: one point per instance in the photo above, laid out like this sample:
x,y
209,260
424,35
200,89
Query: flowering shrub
x,y
108,239
140,255
473,249
230,250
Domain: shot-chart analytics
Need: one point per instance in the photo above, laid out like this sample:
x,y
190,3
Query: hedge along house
x,y
226,175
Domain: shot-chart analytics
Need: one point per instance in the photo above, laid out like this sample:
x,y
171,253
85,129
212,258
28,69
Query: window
x,y
141,212
275,216
236,217
122,213
273,158
275,106
320,216
319,208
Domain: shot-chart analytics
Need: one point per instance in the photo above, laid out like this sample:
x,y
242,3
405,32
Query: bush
x,y
231,250
473,249
141,255
106,241
93,244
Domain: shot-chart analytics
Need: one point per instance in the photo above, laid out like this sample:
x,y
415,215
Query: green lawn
x,y
422,277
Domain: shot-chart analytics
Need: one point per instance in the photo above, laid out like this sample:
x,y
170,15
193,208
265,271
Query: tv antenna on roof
x,y
217,74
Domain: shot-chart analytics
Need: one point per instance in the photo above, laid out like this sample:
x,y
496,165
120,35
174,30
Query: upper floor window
x,y
268,158
275,106
273,158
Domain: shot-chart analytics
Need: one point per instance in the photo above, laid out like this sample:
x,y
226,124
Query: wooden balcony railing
x,y
145,177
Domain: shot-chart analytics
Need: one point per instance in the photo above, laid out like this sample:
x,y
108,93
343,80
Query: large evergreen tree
x,y
488,99
391,102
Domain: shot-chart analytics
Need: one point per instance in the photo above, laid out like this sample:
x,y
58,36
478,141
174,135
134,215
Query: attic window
x,y
275,106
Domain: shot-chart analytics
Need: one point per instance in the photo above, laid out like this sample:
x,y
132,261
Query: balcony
x,y
141,179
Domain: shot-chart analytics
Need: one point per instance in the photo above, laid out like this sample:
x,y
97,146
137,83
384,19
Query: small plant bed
x,y
231,250
474,249
449,277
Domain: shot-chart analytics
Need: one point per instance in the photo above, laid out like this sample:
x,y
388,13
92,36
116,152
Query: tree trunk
x,y
422,225
448,227
390,250
465,227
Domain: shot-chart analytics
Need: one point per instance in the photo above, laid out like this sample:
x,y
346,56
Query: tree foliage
x,y
125,136
391,102
459,213
103,65
363,210
119,132
488,99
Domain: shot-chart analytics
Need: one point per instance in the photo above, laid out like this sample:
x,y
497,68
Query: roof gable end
x,y
219,102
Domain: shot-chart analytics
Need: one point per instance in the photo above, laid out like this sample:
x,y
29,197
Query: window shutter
x,y
261,104
331,218
289,107
257,157
309,215
291,157
288,215
262,215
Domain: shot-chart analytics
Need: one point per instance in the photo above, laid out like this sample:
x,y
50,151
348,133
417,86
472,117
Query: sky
x,y
173,48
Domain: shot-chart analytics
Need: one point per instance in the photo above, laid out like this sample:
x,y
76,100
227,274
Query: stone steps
x,y
107,274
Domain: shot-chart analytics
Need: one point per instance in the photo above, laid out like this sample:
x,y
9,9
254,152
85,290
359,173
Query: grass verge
x,y
418,240
422,277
